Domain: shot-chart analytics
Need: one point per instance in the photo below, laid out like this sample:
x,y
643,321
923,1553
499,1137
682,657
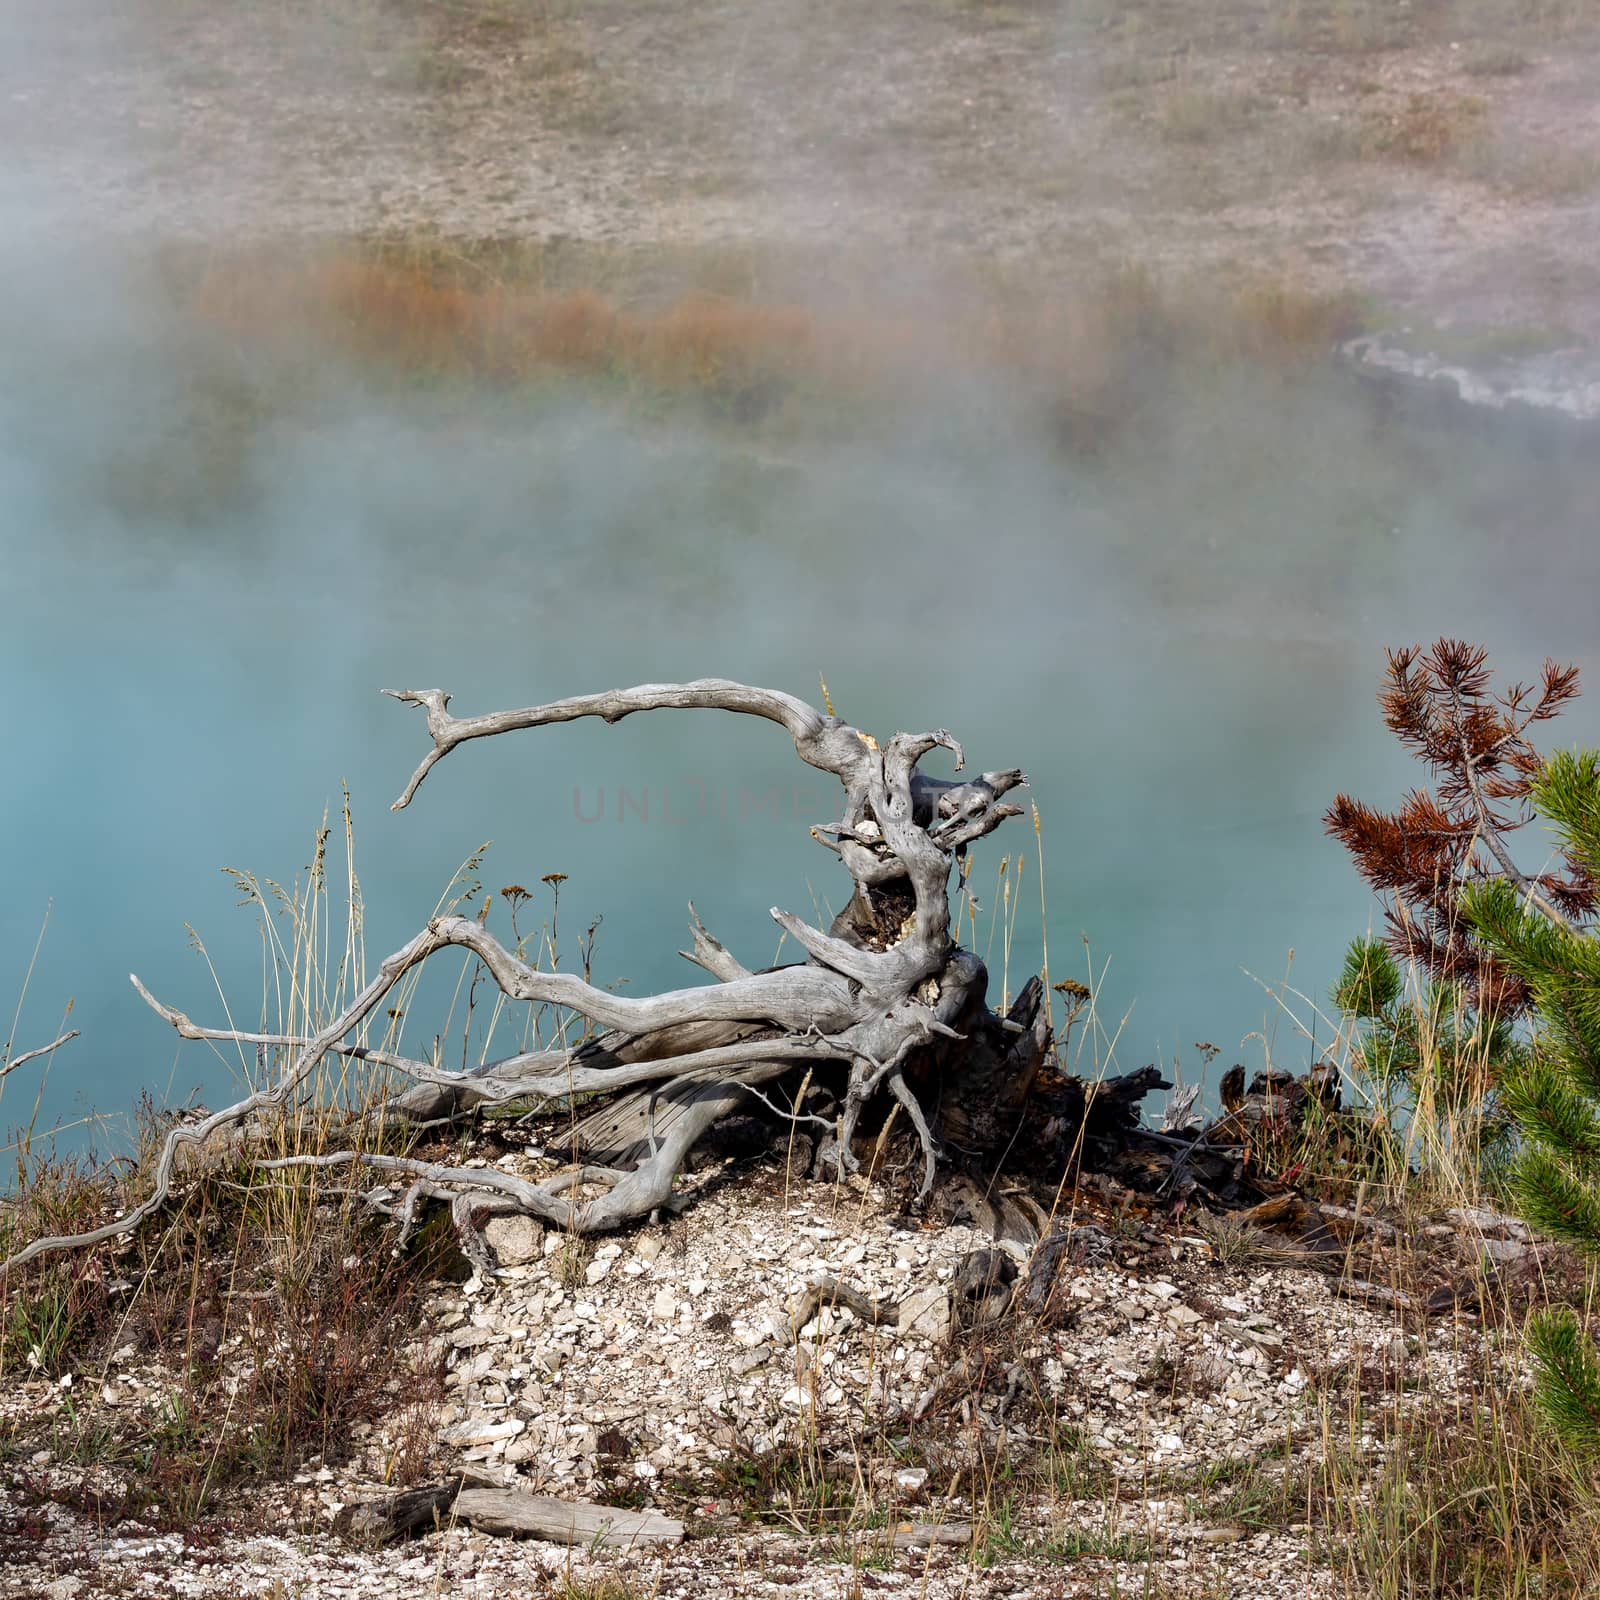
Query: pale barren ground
x,y
1183,1400
1442,158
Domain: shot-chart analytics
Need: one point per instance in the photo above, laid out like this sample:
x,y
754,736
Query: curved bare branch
x,y
535,1074
804,722
792,998
389,973
630,1195
33,1055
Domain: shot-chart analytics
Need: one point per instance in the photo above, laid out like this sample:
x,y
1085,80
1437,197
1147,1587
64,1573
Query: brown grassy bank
x,y
508,314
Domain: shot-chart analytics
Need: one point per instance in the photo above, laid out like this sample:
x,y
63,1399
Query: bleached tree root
x,y
885,996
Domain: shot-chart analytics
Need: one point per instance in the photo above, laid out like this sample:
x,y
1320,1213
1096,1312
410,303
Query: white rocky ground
x,y
641,1370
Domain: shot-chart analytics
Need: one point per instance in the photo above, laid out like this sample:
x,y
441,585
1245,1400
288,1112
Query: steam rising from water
x,y
206,584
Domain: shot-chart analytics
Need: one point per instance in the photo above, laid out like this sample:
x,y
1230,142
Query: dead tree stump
x,y
885,1000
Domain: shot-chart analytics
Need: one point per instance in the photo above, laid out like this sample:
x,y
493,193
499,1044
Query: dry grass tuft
x,y
1454,1495
61,1306
269,1315
1200,116
268,1319
1428,129
1492,59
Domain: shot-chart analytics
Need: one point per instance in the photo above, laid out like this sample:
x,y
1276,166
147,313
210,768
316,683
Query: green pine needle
x,y
1370,982
1556,1200
1567,1387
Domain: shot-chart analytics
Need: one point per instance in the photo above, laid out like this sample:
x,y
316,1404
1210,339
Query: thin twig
x,y
43,1050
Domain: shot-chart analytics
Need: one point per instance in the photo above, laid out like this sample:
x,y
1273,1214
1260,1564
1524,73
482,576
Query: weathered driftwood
x,y
884,998
1382,1294
494,1508
924,1535
400,1515
537,1516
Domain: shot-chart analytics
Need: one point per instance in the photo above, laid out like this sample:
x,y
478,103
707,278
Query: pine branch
x,y
1553,1109
1556,1200
1425,858
1567,1388
1490,826
1567,791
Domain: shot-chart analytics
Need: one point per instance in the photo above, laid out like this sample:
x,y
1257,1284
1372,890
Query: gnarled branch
x,y
880,991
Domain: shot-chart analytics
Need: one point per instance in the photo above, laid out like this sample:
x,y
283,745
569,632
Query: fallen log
x,y
511,1513
925,1535
401,1515
1381,1294
1239,1160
